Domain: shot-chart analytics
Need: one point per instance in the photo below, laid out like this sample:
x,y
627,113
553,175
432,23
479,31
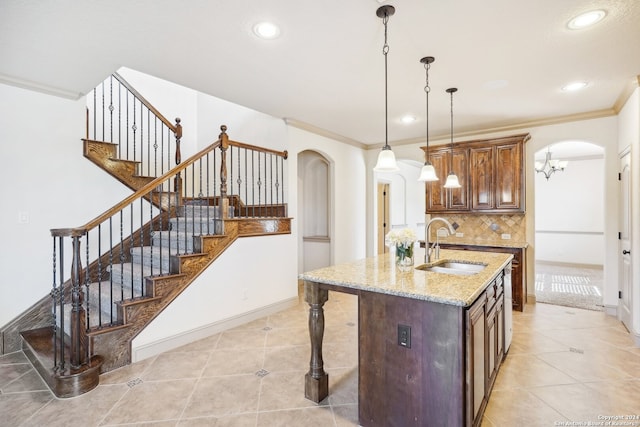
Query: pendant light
x,y
452,179
386,158
428,172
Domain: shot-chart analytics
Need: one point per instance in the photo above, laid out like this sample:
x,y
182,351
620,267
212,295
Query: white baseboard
x,y
175,341
611,310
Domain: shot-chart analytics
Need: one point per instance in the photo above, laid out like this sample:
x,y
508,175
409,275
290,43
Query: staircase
x,y
115,274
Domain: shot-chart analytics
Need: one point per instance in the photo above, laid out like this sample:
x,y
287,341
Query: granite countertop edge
x,y
379,274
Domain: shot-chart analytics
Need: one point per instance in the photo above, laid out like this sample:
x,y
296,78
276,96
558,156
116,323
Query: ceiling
x,y
509,58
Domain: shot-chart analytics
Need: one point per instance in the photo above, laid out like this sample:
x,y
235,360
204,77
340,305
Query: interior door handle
x,y
625,252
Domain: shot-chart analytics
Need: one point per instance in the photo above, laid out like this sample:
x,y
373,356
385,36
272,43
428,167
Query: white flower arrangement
x,y
405,238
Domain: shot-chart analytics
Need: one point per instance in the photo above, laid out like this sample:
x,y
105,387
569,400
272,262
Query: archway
x,y
569,226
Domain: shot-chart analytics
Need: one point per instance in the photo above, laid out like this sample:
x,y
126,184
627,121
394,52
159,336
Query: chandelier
x,y
550,166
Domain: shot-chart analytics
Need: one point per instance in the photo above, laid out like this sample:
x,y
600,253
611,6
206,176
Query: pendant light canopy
x,y
386,158
452,178
428,172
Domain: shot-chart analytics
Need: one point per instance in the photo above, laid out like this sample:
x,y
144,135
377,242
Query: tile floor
x,y
564,364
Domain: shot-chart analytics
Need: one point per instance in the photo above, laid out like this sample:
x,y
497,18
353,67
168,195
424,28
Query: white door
x,y
624,286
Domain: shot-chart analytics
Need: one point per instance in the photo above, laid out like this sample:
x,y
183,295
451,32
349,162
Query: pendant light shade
x,y
428,172
452,178
386,158
452,181
386,161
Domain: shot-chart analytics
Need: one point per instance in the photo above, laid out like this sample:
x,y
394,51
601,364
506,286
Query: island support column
x,y
316,381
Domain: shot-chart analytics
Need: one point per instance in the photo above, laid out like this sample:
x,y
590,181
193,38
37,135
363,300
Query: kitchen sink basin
x,y
453,267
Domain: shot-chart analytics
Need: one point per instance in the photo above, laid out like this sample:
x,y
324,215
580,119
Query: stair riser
x,y
175,243
197,227
199,211
153,261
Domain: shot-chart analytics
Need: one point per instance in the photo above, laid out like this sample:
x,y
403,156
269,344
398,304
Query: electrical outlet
x,y
506,236
459,234
404,336
23,217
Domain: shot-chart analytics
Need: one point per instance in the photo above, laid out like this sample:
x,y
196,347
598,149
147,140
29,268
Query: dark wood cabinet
x,y
440,199
491,173
518,274
484,348
476,320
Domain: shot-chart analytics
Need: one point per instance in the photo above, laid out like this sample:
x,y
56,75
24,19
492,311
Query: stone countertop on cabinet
x,y
380,274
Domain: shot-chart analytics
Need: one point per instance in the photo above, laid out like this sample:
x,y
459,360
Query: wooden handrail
x,y
177,129
78,231
222,142
283,154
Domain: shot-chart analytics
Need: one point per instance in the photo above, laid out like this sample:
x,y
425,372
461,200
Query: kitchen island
x,y
430,343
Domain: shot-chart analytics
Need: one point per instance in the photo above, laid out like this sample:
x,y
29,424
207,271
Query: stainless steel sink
x,y
463,268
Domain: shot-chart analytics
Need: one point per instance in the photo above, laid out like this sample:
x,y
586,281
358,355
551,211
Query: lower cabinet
x,y
423,363
484,348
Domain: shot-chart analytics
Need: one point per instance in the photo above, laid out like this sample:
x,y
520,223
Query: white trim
x,y
611,310
175,341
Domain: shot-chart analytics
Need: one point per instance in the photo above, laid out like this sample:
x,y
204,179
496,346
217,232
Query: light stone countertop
x,y
380,274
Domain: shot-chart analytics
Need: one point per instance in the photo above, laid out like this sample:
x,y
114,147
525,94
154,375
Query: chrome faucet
x,y
427,248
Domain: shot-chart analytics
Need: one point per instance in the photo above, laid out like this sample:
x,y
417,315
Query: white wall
x,y
629,136
348,227
44,175
569,226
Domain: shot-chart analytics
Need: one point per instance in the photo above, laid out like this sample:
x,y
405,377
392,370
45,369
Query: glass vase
x,y
404,257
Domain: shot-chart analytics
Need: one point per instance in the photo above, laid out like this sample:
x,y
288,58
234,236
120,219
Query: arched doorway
x,y
315,210
569,226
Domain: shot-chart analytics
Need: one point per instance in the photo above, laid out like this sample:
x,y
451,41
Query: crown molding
x,y
323,132
39,87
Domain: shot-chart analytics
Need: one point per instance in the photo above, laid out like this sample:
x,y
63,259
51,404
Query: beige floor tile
x,y
343,386
582,366
88,409
126,373
288,336
307,417
17,408
346,415
519,407
533,342
621,397
234,362
241,420
290,358
205,344
521,371
283,390
218,396
30,381
242,338
577,402
176,365
15,357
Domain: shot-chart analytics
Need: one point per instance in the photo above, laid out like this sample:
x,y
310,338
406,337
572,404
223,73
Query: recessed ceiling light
x,y
586,19
572,87
408,119
266,30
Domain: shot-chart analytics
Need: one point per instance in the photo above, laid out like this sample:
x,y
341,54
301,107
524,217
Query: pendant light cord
x,y
385,51
427,89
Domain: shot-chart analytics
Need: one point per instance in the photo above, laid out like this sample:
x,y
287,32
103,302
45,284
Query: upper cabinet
x,y
491,173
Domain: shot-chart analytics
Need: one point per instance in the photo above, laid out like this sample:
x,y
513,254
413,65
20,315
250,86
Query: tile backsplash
x,y
487,227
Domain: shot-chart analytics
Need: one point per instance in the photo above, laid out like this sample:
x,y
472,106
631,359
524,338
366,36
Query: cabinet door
x,y
476,360
436,194
458,197
508,177
482,192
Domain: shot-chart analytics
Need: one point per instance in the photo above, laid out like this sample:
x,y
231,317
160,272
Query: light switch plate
x,y
506,236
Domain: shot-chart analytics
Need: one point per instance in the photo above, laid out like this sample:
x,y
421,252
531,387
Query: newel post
x,y
224,144
78,347
177,182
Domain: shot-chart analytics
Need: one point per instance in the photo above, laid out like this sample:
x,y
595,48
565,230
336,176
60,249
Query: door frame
x,y
625,263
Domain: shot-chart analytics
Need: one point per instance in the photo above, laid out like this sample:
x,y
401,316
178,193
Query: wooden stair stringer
x,y
104,155
115,347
